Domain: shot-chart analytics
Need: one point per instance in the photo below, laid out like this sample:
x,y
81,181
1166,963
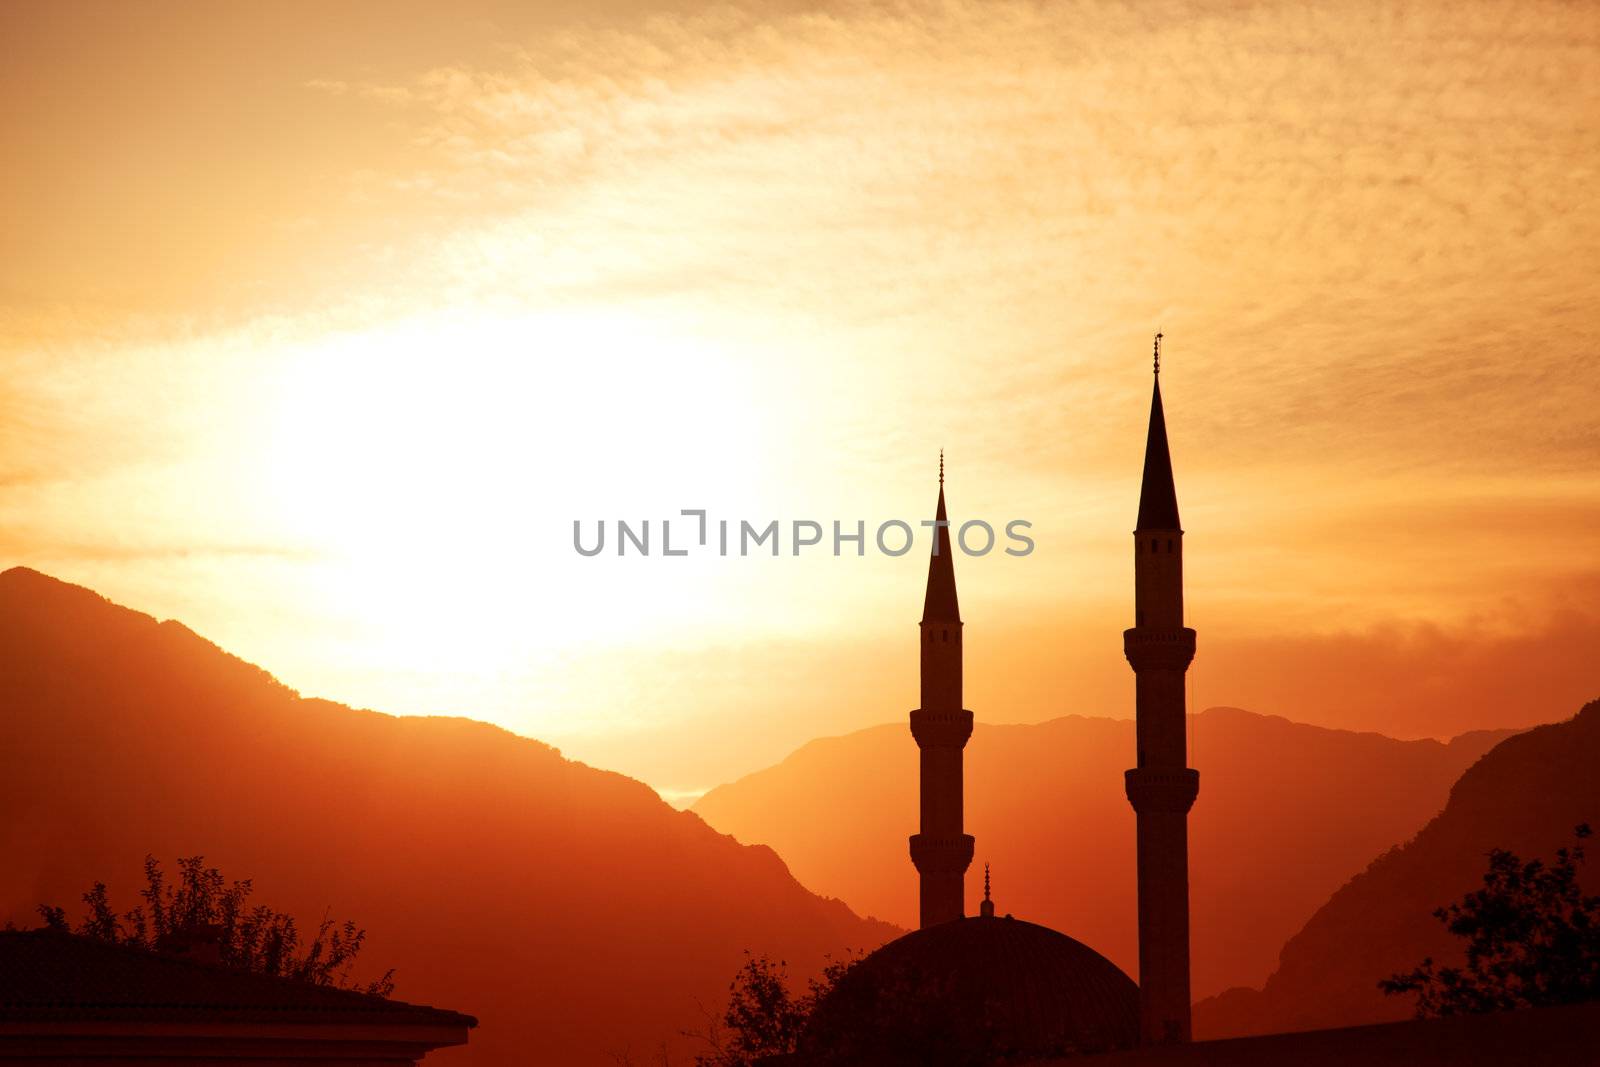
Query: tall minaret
x,y
941,852
1162,787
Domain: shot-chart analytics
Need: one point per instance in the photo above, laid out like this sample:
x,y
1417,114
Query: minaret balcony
x,y
936,854
1161,788
1148,648
941,729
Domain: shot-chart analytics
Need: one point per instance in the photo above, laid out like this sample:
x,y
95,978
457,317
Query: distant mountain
x,y
1526,795
1286,814
569,909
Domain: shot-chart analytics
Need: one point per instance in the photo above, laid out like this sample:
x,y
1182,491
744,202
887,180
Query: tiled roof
x,y
48,975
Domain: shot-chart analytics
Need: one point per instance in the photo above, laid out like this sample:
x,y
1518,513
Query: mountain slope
x,y
1527,794
1286,814
570,909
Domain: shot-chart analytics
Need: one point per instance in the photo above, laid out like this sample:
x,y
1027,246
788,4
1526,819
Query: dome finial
x,y
986,909
1158,353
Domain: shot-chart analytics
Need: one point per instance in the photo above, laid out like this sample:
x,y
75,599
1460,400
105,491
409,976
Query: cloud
x,y
1365,230
1349,222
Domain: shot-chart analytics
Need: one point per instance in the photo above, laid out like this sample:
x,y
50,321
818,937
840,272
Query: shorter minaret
x,y
1161,786
941,852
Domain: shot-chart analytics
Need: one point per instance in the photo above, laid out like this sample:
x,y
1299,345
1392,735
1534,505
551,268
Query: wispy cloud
x,y
837,240
1346,217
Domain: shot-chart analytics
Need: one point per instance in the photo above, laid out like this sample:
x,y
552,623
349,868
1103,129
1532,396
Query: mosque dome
x,y
980,990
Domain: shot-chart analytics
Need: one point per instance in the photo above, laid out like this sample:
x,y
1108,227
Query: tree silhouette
x,y
763,1017
1533,938
257,939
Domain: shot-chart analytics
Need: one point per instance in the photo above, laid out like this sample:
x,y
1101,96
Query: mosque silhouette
x,y
993,988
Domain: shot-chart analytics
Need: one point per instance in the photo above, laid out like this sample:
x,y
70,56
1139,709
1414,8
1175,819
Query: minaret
x,y
941,852
1162,787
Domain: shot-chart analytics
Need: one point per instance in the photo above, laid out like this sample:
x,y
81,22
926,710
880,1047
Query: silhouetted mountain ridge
x,y
1526,794
1287,813
569,908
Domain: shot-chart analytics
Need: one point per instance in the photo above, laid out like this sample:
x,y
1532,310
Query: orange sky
x,y
317,330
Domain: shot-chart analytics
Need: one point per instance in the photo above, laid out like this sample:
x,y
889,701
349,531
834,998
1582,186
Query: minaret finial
x,y
1158,353
941,468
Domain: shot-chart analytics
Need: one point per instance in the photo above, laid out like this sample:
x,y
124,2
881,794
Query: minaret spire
x,y
1161,787
941,851
1158,496
940,603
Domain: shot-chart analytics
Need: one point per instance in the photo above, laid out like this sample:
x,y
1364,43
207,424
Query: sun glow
x,y
433,469
322,350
